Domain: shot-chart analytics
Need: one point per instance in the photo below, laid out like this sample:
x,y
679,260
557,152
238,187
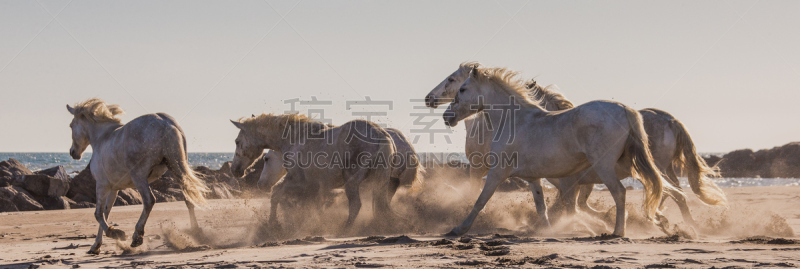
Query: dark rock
x,y
45,185
7,205
177,193
783,162
225,169
56,172
11,170
165,182
35,184
712,160
54,203
21,198
82,204
738,163
81,198
82,187
163,197
128,197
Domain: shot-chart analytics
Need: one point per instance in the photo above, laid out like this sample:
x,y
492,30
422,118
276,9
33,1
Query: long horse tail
x,y
643,167
386,171
194,189
419,170
697,169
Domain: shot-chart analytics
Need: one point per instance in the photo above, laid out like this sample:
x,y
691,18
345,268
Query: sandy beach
x,y
757,230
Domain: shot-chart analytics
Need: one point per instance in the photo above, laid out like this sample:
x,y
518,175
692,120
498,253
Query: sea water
x,y
38,161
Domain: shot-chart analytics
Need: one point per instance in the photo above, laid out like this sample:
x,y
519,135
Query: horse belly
x,y
554,165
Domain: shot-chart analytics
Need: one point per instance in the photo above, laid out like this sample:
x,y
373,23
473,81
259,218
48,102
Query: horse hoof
x,y
116,234
93,251
452,233
137,241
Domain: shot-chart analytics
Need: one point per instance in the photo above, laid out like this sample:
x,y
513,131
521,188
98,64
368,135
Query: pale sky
x,y
729,70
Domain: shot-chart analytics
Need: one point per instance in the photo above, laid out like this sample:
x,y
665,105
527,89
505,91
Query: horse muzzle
x,y
430,101
450,119
74,154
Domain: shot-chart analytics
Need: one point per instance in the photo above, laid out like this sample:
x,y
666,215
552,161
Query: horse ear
x,y
474,73
252,115
531,84
71,110
237,124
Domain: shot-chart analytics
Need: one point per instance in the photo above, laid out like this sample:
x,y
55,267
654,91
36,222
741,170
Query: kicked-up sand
x,y
756,230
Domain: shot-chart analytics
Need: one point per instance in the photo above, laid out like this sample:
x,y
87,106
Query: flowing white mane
x,y
96,110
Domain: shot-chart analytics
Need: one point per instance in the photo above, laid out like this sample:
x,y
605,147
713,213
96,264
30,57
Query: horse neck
x,y
498,108
298,135
100,132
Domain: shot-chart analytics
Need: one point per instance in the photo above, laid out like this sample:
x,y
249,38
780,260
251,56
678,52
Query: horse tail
x,y
698,171
386,171
419,170
194,189
643,167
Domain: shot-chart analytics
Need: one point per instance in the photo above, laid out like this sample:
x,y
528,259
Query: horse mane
x,y
96,110
508,80
470,65
547,94
269,122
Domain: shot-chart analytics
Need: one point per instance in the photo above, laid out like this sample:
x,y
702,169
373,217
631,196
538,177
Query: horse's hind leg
x,y
609,178
382,196
101,214
538,199
140,180
192,217
679,197
353,200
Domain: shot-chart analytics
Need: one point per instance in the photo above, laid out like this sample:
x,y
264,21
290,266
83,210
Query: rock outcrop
x,y
53,188
778,162
11,170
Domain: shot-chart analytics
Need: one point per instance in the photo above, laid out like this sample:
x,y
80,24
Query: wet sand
x,y
726,237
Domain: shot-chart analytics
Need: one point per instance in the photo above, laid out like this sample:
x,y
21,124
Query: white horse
x,y
671,146
131,155
605,136
274,177
325,157
477,143
669,141
409,163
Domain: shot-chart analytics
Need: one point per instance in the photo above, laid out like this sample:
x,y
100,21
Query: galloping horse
x,y
605,136
670,144
131,155
326,157
409,166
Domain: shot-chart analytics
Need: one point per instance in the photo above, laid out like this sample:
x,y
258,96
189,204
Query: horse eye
x,y
237,142
450,79
462,89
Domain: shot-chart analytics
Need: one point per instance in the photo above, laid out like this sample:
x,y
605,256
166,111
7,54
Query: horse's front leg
x,y
148,200
278,192
493,180
351,190
101,215
538,199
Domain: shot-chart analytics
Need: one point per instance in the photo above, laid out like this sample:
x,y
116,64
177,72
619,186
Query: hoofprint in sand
x,y
232,238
